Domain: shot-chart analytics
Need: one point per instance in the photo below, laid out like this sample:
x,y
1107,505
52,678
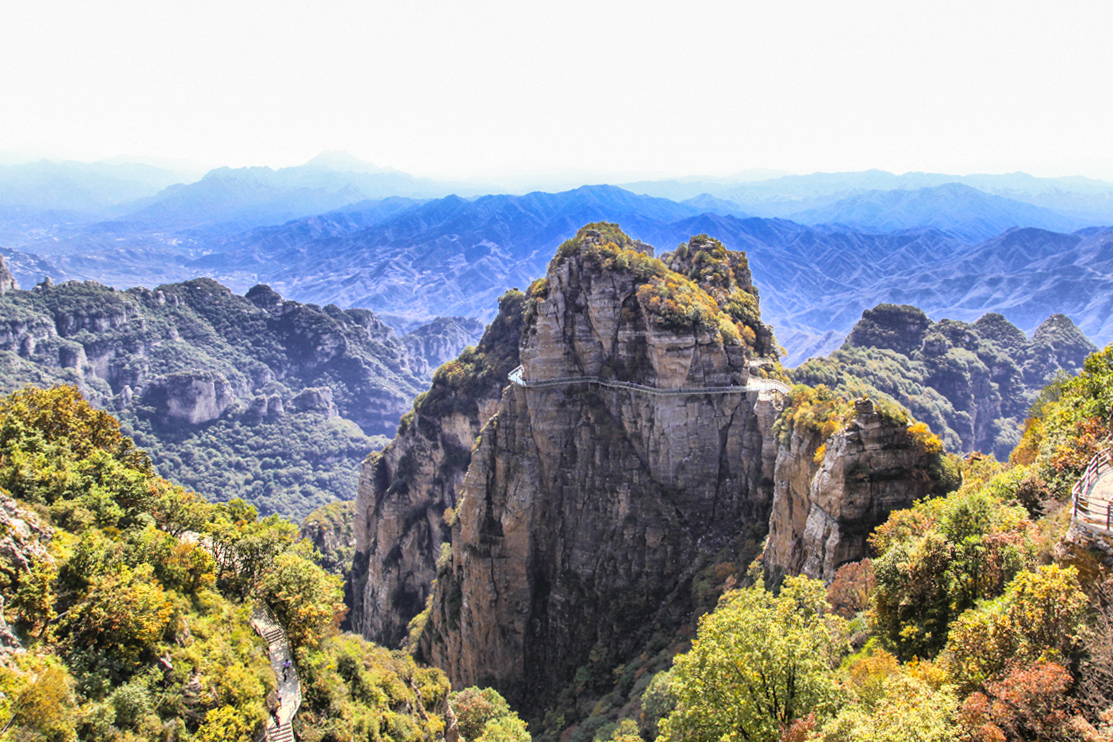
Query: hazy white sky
x,y
632,88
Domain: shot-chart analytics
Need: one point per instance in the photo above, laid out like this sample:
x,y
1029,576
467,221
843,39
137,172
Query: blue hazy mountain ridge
x,y
411,259
1083,198
55,201
79,187
231,200
456,256
967,213
452,251
1020,274
267,242
123,255
708,204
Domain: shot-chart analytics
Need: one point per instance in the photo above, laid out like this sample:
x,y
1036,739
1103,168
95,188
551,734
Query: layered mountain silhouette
x,y
79,188
235,199
958,210
1084,198
453,252
325,232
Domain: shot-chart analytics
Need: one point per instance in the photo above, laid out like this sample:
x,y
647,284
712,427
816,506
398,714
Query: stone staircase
x,y
289,689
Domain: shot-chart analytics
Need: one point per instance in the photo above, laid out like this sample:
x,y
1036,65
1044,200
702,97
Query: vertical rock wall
x,y
586,510
825,509
405,490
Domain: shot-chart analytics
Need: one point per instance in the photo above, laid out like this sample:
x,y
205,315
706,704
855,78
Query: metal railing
x,y
753,385
1094,514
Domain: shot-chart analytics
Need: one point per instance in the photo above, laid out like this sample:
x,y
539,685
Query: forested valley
x,y
976,610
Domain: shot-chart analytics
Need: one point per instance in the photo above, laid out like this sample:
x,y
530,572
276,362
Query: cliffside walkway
x,y
753,385
278,647
1092,496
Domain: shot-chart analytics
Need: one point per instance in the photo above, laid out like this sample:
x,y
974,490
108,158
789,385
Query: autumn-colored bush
x,y
815,410
850,590
1039,617
1031,703
133,599
940,558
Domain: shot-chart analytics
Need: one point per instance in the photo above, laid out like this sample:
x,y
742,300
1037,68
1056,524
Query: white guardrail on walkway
x,y
1093,511
754,385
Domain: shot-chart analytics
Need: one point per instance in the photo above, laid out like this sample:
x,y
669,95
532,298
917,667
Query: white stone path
x,y
264,622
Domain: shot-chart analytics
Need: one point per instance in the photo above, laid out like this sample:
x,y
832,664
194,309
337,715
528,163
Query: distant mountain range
x,y
336,230
959,210
79,187
241,198
234,200
1083,198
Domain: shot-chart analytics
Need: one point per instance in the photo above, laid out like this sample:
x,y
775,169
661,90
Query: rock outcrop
x,y
587,509
405,490
191,397
23,550
7,280
831,493
636,448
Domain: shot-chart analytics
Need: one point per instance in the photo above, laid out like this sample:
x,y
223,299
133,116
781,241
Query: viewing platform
x,y
1092,496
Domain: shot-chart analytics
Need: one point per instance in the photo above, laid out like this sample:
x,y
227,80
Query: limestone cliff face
x,y
825,508
7,280
405,490
192,397
633,450
586,509
124,345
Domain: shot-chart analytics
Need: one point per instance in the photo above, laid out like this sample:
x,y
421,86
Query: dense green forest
x,y
126,601
980,617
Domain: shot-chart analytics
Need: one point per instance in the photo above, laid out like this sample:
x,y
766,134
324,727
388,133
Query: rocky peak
x,y
899,328
405,491
996,328
263,296
587,509
607,309
833,488
1060,333
972,382
725,275
1056,344
577,524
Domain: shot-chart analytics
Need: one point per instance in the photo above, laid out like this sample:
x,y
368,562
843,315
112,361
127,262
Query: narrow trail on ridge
x,y
289,685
